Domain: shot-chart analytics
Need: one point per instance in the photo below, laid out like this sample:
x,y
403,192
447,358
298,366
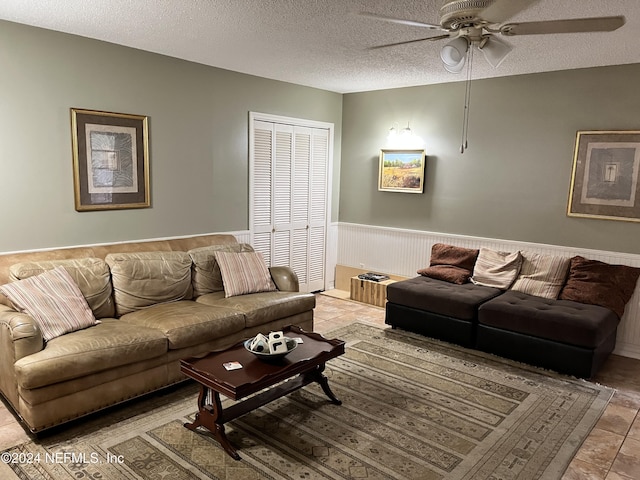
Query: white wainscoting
x,y
401,252
242,237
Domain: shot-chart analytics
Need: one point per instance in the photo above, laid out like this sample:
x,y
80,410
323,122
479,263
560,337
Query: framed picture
x,y
604,178
110,160
401,171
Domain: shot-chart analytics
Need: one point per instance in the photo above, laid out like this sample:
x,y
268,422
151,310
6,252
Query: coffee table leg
x,y
317,376
208,417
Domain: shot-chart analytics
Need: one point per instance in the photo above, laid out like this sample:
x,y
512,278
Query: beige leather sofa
x,y
157,302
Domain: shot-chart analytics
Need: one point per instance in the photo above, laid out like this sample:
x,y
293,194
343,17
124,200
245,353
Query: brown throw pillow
x,y
442,254
450,263
446,273
599,283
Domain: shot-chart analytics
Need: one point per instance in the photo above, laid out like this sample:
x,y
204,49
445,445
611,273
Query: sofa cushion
x,y
562,321
144,279
206,276
599,283
496,269
244,273
541,275
107,345
261,308
53,300
90,274
186,323
437,296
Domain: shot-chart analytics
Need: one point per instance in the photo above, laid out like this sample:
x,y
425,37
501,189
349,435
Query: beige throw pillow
x,y
244,273
53,300
541,275
496,269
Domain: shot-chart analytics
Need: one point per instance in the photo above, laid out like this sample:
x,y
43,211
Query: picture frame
x,y
110,160
401,171
604,177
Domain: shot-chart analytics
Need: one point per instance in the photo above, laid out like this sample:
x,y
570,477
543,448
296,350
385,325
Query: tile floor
x,y
611,452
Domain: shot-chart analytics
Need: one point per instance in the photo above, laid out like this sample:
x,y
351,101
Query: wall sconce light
x,y
403,139
393,133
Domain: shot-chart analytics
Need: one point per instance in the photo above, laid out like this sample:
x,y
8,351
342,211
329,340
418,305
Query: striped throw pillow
x,y
53,300
206,276
541,275
244,273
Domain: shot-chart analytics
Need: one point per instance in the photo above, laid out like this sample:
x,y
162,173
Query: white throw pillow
x,y
496,269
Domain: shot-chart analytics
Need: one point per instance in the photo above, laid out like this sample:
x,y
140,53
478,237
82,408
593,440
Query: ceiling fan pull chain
x,y
467,100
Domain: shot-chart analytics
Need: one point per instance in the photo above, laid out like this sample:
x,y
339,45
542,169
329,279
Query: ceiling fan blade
x,y
502,10
400,21
428,39
577,25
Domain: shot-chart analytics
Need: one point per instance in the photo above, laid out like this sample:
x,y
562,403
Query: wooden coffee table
x,y
307,361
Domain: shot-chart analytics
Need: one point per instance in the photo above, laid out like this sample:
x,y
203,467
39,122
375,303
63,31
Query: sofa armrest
x,y
285,279
19,333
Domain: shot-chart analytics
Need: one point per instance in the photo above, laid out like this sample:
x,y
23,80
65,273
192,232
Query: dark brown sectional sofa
x,y
572,333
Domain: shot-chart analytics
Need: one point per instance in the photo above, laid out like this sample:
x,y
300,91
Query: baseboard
x,y
625,349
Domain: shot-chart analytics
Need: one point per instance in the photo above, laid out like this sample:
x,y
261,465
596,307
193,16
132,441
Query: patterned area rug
x,y
413,408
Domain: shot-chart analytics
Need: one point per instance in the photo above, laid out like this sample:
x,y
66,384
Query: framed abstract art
x,y
110,160
604,177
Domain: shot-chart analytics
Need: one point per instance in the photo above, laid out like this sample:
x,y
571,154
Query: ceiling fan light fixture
x,y
454,54
495,50
456,68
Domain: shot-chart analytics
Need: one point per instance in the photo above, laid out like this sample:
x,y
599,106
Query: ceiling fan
x,y
480,24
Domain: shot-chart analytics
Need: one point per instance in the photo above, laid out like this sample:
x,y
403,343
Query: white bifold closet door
x,y
289,198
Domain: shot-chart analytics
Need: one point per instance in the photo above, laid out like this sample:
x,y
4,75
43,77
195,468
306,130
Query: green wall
x,y
513,181
198,122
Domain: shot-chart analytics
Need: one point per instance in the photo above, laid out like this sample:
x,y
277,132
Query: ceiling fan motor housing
x,y
456,14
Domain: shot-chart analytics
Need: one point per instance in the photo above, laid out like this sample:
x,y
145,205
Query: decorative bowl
x,y
291,346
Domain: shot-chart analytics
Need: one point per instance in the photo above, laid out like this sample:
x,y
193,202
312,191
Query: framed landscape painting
x,y
401,171
110,160
604,178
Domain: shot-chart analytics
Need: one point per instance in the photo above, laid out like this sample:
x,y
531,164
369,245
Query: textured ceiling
x,y
324,43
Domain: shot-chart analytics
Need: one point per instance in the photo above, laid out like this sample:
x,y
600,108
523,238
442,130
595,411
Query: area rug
x,y
413,408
